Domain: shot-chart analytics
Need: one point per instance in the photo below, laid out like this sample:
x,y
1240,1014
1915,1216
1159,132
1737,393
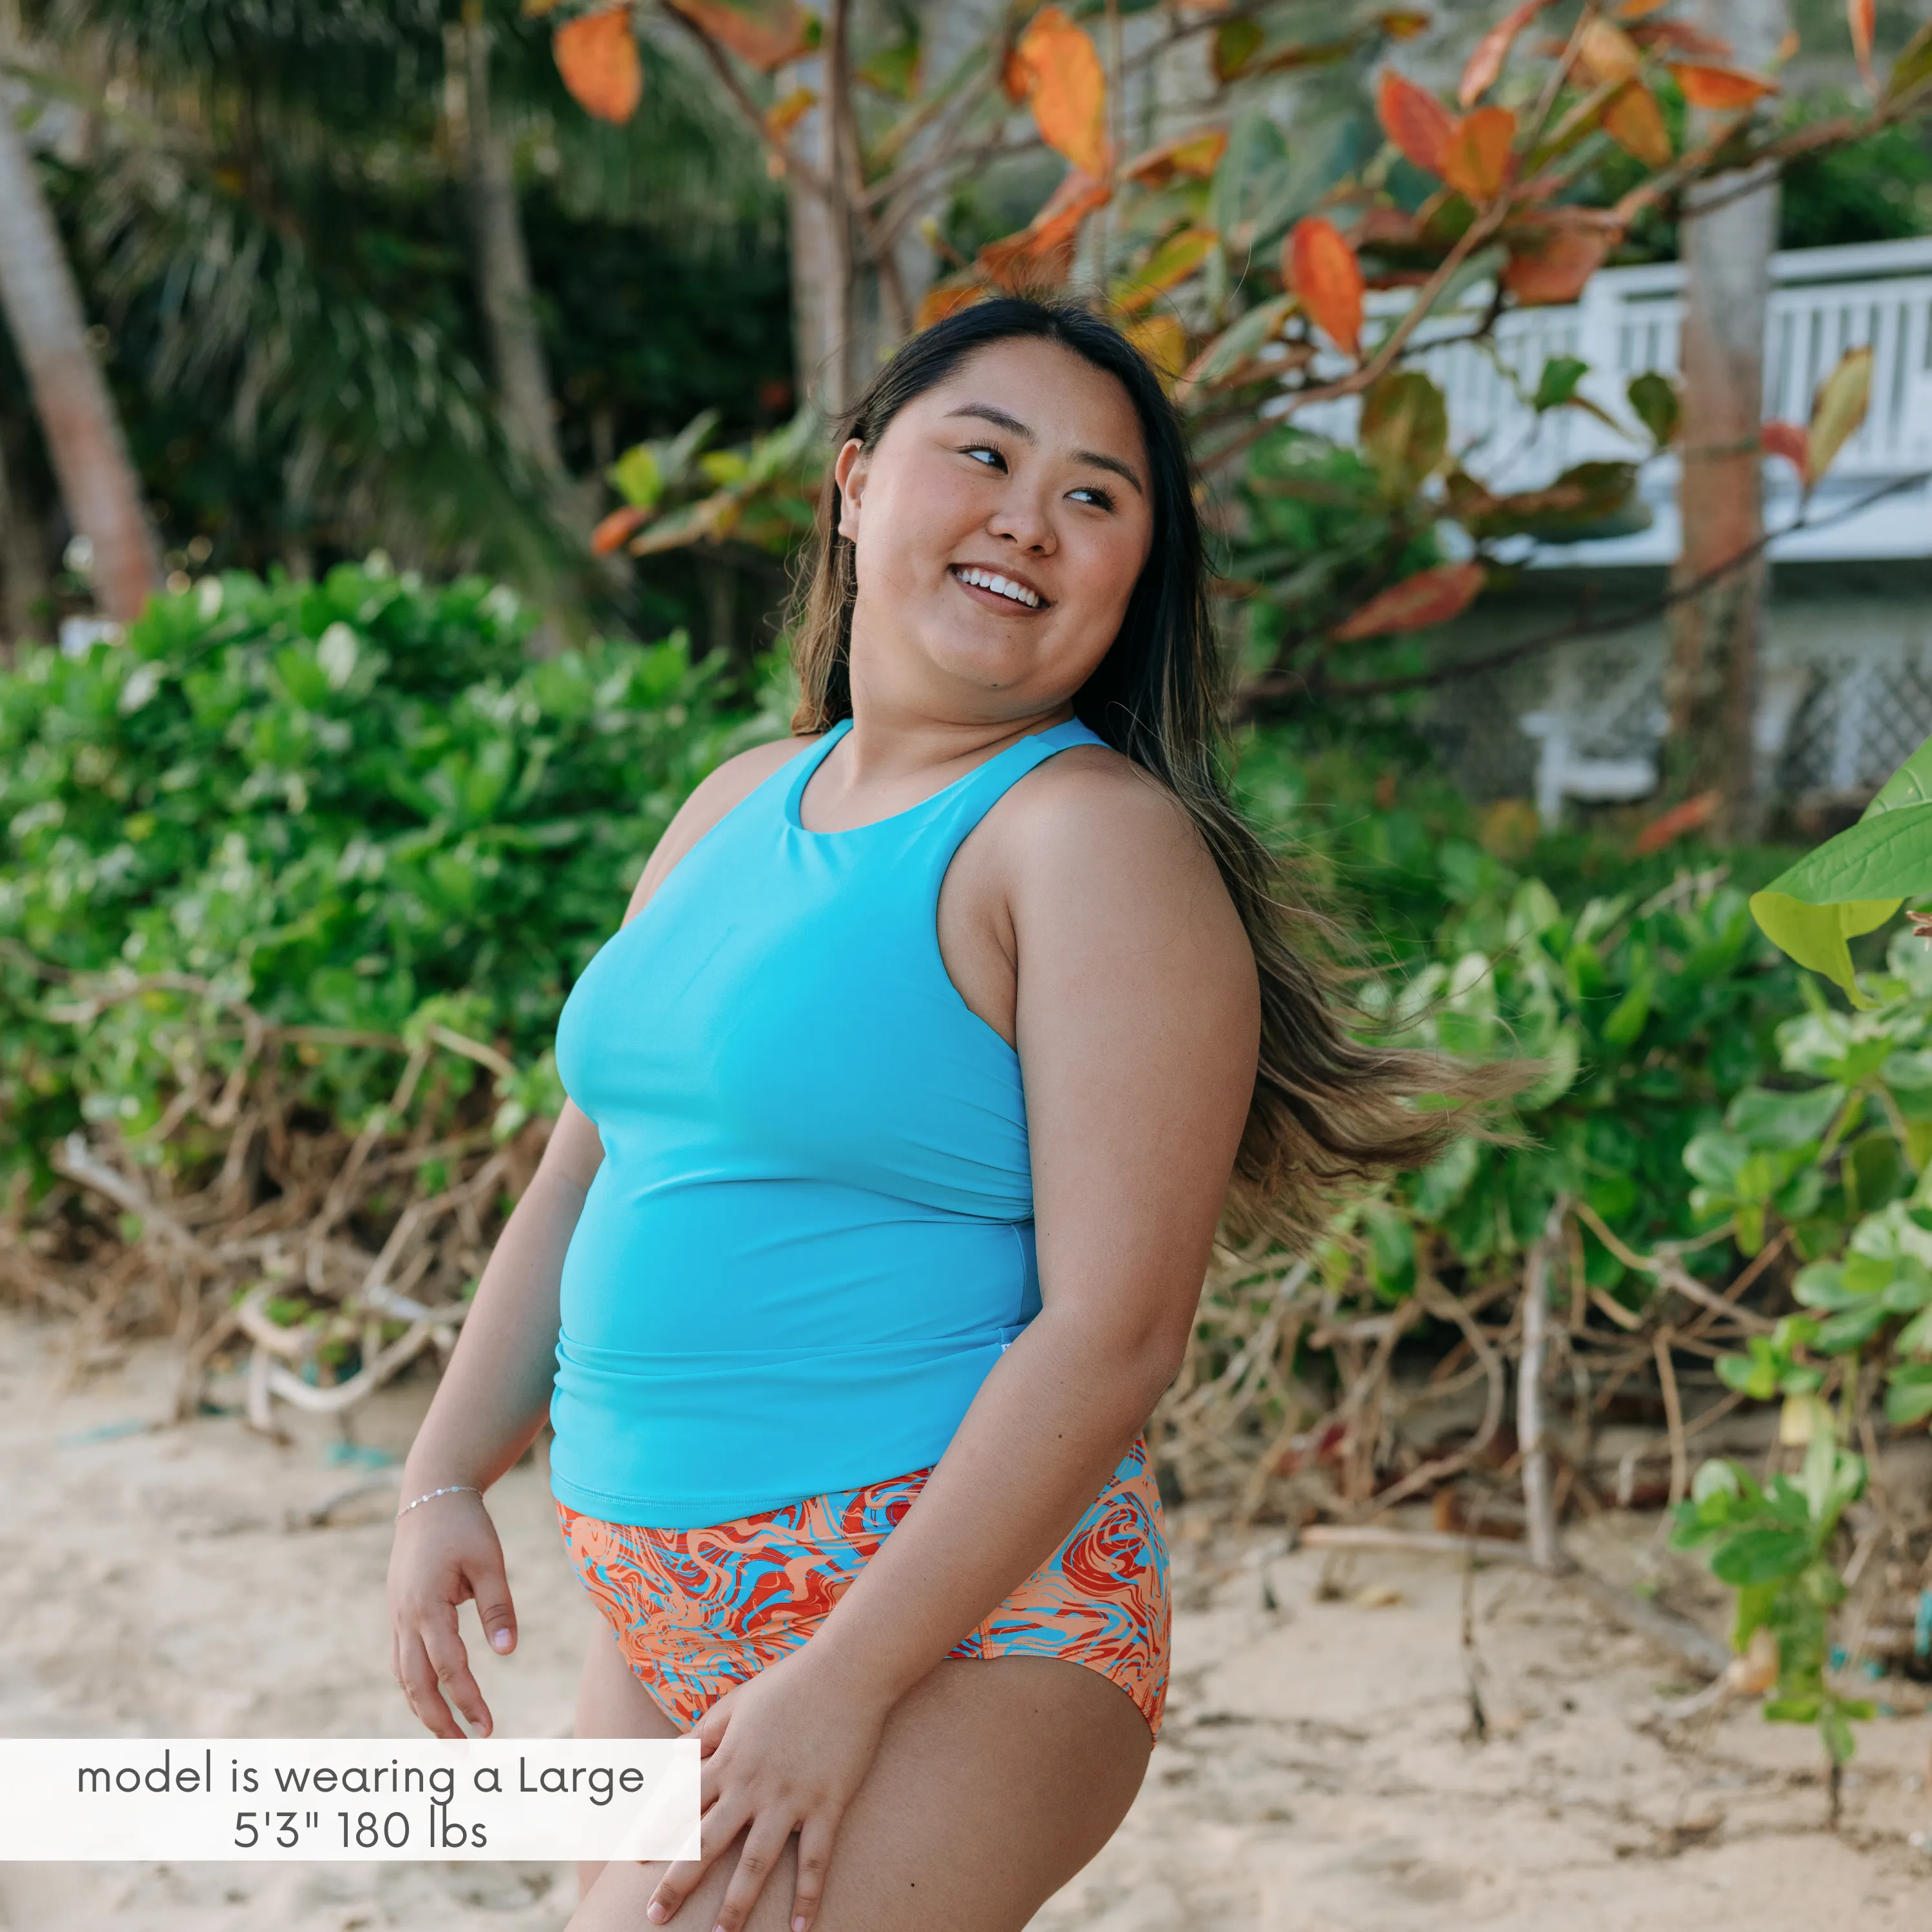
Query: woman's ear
x,y
849,470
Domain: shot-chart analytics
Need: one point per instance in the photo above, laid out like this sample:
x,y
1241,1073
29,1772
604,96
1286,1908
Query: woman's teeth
x,y
987,579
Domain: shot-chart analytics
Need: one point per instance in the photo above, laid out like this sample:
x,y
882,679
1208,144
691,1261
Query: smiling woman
x,y
905,1105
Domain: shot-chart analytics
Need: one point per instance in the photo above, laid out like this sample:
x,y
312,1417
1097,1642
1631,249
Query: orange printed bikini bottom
x,y
697,1611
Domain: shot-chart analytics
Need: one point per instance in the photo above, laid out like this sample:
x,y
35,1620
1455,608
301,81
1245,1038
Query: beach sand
x,y
1319,1772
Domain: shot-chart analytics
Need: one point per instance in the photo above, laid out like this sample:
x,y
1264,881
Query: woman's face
x,y
1001,522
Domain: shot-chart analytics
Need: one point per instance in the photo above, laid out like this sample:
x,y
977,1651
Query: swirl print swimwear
x,y
810,1239
697,1611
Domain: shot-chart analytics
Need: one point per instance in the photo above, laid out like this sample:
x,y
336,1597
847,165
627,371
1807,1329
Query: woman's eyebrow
x,y
988,413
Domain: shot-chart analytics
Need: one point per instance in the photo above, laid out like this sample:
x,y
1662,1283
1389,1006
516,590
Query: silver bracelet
x,y
454,1488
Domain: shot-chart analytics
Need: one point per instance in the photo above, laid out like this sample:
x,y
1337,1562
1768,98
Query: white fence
x,y
1824,302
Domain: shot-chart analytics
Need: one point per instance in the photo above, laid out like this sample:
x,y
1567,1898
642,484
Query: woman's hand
x,y
783,1753
445,1552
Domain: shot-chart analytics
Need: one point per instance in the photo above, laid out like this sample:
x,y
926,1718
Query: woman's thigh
x,y
996,1780
611,1703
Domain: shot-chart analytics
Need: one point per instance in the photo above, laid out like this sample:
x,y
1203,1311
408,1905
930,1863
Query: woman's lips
x,y
983,591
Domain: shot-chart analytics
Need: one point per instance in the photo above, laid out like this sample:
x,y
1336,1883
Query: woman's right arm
x,y
487,1411
496,1392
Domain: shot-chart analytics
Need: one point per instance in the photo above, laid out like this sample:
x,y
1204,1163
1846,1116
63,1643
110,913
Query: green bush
x,y
356,806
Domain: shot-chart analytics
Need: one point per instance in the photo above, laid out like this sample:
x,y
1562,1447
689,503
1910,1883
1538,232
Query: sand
x,y
1319,1772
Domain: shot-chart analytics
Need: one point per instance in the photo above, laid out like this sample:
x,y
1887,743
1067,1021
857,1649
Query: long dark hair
x,y
1329,1106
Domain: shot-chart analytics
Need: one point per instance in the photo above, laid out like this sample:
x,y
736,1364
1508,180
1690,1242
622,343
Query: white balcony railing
x,y
1824,300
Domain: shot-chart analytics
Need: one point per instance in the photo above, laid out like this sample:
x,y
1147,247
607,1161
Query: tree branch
x,y
1285,684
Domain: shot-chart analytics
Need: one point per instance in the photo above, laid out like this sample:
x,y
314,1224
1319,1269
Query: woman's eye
x,y
1091,493
981,452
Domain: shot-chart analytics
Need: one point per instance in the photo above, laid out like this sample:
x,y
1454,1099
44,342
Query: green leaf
x,y
1852,1328
1404,430
1814,932
1762,1556
1766,1119
1913,67
1654,398
636,476
1793,1710
1558,382
1908,1395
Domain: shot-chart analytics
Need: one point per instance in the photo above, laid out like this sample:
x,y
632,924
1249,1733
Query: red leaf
x,y
1861,15
1429,597
1042,251
1720,89
597,55
1551,264
1320,270
1066,88
1785,439
763,33
945,298
1414,120
1486,63
615,528
1691,816
1478,162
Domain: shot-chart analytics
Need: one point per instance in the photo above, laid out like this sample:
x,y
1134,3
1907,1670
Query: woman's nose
x,y
1026,521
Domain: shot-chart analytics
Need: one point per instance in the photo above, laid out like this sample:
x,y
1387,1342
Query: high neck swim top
x,y
811,1234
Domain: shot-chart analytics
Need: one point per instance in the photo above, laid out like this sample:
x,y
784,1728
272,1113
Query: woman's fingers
x,y
722,1823
756,1863
417,1676
490,1585
814,1859
451,1662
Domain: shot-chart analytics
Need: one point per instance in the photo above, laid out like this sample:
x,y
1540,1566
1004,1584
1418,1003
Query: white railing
x,y
1824,300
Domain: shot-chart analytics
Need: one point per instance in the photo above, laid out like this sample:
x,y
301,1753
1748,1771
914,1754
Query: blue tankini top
x,y
812,1235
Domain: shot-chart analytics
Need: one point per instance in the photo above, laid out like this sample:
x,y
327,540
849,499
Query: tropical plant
x,y
1266,281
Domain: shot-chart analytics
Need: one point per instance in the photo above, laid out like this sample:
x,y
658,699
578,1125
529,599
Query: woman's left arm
x,y
1137,1022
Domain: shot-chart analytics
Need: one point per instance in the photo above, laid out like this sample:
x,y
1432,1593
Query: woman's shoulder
x,y
1092,804
716,793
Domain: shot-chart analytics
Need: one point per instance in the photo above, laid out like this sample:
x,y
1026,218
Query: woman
x,y
852,1335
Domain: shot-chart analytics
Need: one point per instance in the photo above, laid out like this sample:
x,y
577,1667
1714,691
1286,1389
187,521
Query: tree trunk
x,y
1729,228
821,240
97,480
502,266
23,566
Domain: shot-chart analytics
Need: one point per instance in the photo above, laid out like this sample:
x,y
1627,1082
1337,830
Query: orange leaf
x,y
1676,37
1162,341
1635,9
945,298
763,33
1785,439
611,533
1478,162
597,55
1720,88
1429,597
1320,270
1042,251
1414,120
782,116
1635,122
1066,88
1690,816
1486,63
1404,23
1015,81
1194,156
1861,16
1551,264
1606,52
